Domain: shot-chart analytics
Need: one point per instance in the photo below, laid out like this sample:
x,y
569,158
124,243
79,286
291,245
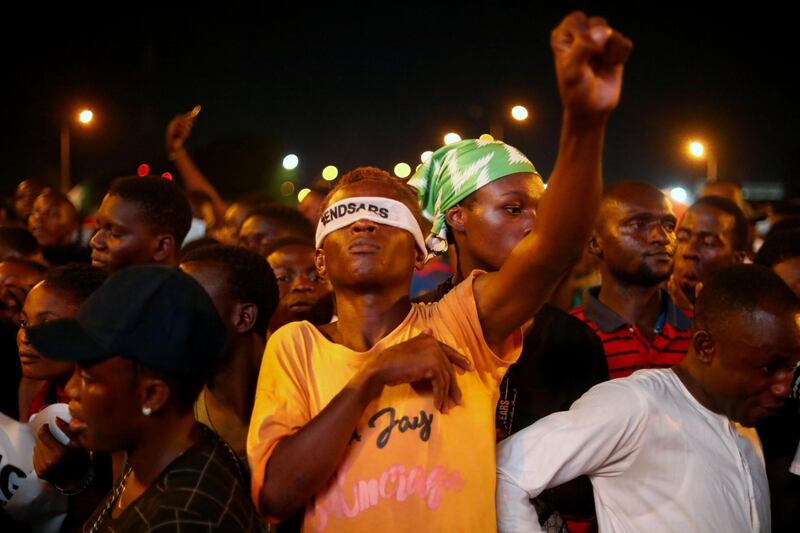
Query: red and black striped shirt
x,y
627,350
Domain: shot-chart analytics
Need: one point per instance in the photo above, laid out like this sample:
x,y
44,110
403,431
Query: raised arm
x,y
589,56
178,131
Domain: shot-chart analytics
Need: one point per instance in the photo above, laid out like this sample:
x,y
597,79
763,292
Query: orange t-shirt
x,y
407,465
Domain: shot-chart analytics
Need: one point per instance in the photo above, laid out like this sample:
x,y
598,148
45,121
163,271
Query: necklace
x,y
112,500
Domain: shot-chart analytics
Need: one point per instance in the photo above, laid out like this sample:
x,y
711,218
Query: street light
x,y
698,150
290,162
85,117
519,113
451,138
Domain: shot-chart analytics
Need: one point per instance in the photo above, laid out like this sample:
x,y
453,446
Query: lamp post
x,y
85,117
699,151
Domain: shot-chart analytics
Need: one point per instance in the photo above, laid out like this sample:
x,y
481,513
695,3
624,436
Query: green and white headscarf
x,y
457,170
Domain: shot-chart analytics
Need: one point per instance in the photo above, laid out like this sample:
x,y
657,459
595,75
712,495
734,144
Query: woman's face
x,y
105,404
43,304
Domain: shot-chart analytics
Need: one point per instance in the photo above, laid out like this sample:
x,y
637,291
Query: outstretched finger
x,y
46,439
447,381
438,393
463,364
454,392
63,425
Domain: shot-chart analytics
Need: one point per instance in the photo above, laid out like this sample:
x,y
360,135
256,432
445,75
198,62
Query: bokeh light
x,y
451,138
519,112
290,162
329,173
402,170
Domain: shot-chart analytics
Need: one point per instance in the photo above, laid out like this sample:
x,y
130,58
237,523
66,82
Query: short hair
x,y
17,242
33,265
741,228
407,193
77,280
779,246
288,218
249,277
183,391
288,241
163,204
63,199
195,244
739,290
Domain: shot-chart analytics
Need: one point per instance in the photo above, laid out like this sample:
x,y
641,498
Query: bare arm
x,y
589,57
300,467
178,131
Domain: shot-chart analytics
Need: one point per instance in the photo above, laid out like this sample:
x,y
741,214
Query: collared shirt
x,y
658,461
627,349
202,490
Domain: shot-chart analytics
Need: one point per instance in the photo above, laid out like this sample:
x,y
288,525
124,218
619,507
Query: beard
x,y
643,276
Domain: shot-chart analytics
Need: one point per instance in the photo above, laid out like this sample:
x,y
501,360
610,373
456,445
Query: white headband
x,y
377,209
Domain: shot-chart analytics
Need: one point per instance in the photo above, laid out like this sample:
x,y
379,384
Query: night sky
x,y
356,86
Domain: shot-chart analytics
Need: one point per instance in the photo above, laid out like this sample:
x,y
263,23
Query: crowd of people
x,y
280,368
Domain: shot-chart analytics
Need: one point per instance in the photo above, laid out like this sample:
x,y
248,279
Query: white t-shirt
x,y
657,459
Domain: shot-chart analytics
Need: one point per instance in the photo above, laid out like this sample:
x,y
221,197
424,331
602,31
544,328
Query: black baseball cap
x,y
156,316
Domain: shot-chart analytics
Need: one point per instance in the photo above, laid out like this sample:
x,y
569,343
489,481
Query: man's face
x,y
750,374
366,254
16,280
498,215
105,404
52,221
300,287
123,237
258,233
789,271
705,246
26,193
42,305
635,239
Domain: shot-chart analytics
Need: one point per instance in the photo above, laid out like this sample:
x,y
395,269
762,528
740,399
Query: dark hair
x,y
407,194
195,244
63,200
19,242
288,218
739,290
183,391
741,228
34,265
288,241
249,278
163,205
77,280
779,246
